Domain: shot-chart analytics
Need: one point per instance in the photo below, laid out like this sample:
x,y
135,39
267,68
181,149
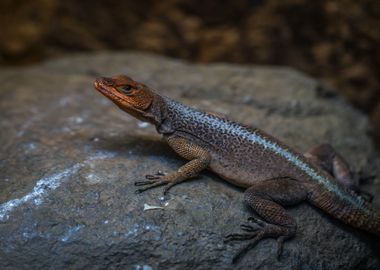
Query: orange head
x,y
133,97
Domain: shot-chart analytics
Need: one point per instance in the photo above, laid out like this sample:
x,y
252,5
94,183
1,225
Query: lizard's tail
x,y
347,207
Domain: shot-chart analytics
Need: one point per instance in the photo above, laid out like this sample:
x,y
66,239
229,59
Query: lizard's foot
x,y
258,231
153,180
159,179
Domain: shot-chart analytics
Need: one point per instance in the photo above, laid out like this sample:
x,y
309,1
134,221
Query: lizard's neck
x,y
172,115
159,115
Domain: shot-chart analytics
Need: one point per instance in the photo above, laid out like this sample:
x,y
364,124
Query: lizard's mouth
x,y
102,85
106,87
98,84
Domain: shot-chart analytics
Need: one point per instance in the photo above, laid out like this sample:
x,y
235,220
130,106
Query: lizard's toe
x,y
257,221
149,184
249,228
154,180
157,175
144,183
280,245
238,237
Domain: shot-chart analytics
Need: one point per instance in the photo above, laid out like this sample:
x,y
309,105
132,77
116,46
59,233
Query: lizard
x,y
273,174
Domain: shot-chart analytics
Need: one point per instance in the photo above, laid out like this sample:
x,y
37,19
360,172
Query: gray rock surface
x,y
68,160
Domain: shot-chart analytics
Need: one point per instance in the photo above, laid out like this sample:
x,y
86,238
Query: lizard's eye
x,y
126,89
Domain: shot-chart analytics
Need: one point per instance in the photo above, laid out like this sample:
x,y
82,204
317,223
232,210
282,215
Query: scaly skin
x,y
273,174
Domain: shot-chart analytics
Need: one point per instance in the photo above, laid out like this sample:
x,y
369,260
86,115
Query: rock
x,y
69,157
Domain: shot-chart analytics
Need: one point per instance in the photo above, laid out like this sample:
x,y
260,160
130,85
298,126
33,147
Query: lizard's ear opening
x,y
143,98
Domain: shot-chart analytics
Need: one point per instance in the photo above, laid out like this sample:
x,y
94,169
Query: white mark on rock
x,y
40,190
102,155
143,124
76,120
133,231
26,125
29,147
66,129
139,229
93,178
71,232
29,235
64,101
155,229
151,207
44,185
143,267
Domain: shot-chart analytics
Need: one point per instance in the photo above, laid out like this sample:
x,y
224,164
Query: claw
x,y
155,176
258,222
249,228
143,183
152,177
166,189
152,185
238,237
280,246
154,180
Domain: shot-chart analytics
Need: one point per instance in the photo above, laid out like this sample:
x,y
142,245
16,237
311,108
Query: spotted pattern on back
x,y
228,136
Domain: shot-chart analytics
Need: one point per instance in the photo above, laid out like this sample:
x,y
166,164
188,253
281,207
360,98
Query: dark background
x,y
336,41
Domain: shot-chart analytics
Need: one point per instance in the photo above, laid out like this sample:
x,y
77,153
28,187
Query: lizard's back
x,y
239,154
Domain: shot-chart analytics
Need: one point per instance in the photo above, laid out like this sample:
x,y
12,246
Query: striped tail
x,y
350,209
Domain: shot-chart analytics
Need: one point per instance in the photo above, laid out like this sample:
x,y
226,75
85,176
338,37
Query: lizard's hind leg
x,y
267,199
326,157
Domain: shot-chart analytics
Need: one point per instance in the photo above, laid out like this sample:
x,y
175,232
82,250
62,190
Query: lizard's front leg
x,y
199,160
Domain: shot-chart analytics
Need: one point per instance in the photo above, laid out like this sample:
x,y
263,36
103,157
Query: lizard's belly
x,y
244,171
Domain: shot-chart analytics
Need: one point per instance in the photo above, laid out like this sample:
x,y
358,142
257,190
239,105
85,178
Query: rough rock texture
x,y
68,159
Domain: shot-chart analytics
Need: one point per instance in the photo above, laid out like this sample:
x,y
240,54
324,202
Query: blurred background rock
x,y
336,41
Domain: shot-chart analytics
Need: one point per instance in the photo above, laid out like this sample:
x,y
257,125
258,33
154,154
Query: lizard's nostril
x,y
98,81
105,80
